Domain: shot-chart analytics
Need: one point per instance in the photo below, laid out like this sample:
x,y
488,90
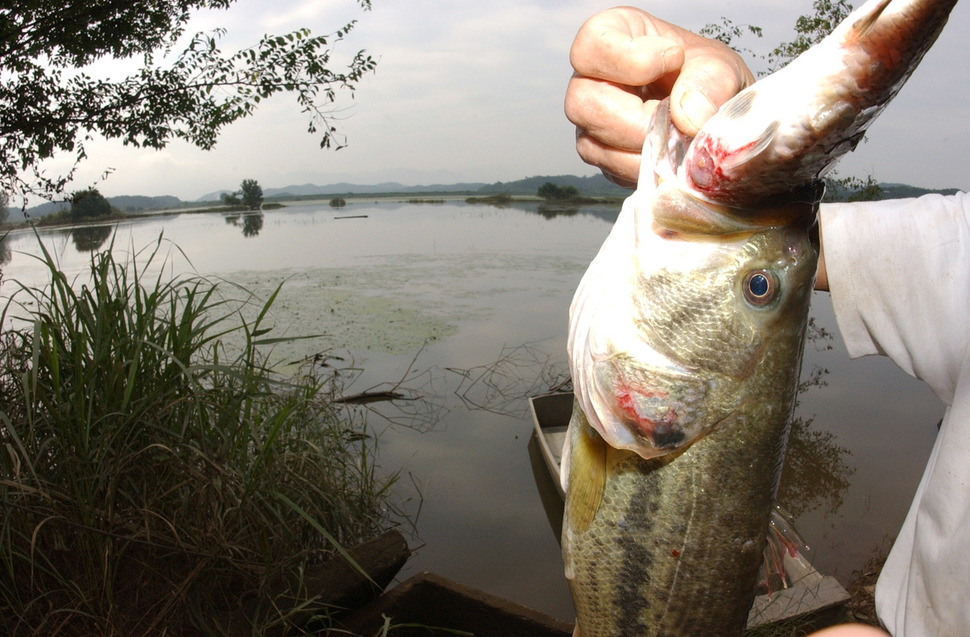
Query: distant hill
x,y
134,204
887,191
901,191
387,187
595,186
42,210
592,186
345,188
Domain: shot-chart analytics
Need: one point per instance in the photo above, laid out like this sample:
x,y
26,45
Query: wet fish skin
x,y
792,126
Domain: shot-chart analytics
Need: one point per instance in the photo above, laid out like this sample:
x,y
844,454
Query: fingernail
x,y
671,57
696,108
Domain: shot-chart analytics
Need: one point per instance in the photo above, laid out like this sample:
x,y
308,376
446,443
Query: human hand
x,y
626,61
850,630
844,630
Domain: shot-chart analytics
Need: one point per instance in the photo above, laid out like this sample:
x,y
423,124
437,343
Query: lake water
x,y
469,303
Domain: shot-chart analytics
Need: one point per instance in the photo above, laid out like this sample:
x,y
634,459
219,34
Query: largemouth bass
x,y
687,330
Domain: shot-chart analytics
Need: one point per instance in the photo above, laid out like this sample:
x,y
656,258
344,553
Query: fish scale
x,y
686,335
678,306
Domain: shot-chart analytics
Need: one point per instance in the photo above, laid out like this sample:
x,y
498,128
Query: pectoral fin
x,y
587,473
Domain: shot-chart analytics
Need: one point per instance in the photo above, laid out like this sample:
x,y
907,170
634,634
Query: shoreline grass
x,y
153,479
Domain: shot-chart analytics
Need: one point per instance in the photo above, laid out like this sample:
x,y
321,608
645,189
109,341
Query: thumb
x,y
705,83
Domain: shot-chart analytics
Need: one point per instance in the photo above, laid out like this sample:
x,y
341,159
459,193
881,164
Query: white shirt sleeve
x,y
899,272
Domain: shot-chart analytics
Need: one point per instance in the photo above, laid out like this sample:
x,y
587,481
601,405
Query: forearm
x,y
821,276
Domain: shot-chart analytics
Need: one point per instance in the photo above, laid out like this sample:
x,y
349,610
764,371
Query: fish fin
x,y
861,26
740,105
664,148
587,473
710,162
735,109
749,151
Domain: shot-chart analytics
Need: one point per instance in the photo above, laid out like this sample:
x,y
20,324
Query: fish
x,y
792,126
687,330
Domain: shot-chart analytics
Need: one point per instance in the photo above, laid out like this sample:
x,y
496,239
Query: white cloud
x,y
476,88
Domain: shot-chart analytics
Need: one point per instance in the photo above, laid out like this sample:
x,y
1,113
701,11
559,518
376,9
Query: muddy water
x,y
473,301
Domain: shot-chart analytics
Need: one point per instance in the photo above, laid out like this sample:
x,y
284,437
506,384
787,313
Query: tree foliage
x,y
251,194
230,199
88,204
729,33
853,189
51,103
810,29
551,192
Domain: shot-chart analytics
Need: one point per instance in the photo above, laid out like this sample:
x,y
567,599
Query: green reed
x,y
155,476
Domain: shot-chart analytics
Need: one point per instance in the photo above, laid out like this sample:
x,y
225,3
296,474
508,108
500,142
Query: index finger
x,y
623,46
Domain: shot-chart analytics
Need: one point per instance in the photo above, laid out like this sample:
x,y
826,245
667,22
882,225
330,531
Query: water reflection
x,y
89,238
816,472
4,250
553,210
252,222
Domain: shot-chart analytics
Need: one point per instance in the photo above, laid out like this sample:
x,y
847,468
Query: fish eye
x,y
760,287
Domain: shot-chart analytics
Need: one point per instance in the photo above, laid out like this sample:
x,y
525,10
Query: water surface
x,y
473,300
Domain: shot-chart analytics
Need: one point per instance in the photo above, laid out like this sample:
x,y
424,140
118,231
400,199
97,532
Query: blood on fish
x,y
706,171
626,401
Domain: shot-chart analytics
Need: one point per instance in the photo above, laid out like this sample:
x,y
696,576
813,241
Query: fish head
x,y
669,362
686,300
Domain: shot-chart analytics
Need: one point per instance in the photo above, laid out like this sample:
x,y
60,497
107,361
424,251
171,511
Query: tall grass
x,y
154,480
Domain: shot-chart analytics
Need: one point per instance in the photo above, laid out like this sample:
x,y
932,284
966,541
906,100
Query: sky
x,y
467,90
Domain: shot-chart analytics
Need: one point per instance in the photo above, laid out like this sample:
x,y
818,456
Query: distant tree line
x,y
551,192
89,204
250,195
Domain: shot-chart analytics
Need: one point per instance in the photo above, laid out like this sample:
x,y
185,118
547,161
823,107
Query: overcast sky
x,y
467,90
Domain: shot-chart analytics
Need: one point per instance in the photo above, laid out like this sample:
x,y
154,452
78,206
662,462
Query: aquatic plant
x,y
155,476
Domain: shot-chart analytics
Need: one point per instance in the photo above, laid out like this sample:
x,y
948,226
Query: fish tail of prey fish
x,y
686,335
793,126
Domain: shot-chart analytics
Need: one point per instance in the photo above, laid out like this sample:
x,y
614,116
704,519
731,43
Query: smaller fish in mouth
x,y
791,127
